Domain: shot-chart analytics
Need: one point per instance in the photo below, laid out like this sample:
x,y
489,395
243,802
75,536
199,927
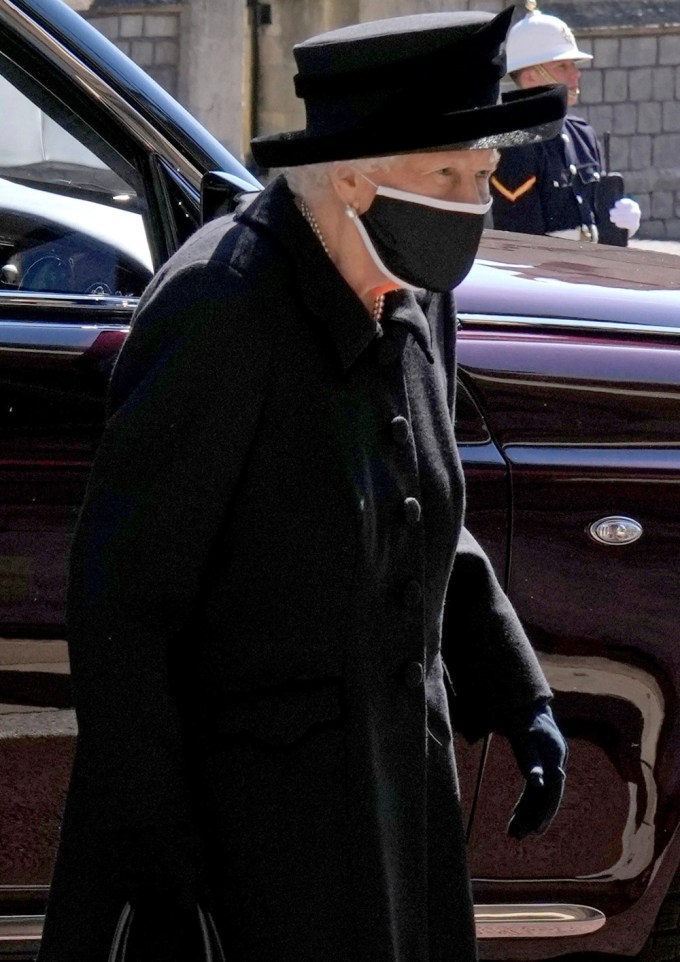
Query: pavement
x,y
665,246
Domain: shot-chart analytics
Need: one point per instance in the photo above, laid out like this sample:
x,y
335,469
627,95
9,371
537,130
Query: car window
x,y
69,223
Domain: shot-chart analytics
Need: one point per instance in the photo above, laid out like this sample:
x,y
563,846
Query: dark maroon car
x,y
569,426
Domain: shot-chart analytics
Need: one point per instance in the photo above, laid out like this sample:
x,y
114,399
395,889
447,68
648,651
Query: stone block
x,y
663,83
142,52
166,77
160,25
649,118
666,150
640,84
639,51
606,52
625,119
669,49
109,26
601,116
131,25
124,46
619,153
644,200
271,50
663,204
165,53
676,209
652,229
672,228
640,152
591,87
615,86
670,116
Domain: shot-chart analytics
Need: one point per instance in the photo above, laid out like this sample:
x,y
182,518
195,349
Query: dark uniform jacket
x,y
255,614
550,186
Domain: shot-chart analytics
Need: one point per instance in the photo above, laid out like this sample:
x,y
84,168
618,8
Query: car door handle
x,y
615,530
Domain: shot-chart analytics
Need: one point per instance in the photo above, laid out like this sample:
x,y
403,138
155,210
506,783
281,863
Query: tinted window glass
x,y
69,223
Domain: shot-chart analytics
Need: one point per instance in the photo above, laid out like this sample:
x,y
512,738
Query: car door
x,y
487,517
586,412
92,199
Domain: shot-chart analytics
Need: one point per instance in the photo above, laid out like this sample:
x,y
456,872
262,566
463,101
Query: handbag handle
x,y
209,939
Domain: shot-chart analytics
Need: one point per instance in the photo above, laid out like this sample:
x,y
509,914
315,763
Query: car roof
x,y
538,276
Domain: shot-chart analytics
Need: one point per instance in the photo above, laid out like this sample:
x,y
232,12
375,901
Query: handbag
x,y
209,942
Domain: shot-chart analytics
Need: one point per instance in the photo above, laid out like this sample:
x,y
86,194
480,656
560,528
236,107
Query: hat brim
x,y
522,117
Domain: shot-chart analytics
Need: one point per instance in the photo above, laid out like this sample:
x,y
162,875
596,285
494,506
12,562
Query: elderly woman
x,y
256,606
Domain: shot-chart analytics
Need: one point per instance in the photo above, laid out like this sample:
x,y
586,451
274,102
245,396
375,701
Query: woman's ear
x,y
351,187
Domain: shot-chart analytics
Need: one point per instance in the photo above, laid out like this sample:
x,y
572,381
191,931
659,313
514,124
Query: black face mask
x,y
421,242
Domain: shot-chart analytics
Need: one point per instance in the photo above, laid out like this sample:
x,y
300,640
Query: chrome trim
x,y
563,323
626,531
122,110
120,936
480,453
91,302
517,920
536,920
645,458
20,928
51,338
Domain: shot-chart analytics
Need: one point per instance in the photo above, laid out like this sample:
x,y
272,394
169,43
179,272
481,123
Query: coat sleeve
x,y
185,401
516,190
493,669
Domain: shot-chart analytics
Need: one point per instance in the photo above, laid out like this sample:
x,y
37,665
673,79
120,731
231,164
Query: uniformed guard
x,y
558,186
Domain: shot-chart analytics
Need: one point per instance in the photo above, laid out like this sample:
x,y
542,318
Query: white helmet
x,y
539,38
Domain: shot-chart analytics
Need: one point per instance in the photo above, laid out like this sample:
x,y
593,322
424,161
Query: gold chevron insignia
x,y
513,195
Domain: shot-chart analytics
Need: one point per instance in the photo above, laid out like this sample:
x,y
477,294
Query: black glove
x,y
541,754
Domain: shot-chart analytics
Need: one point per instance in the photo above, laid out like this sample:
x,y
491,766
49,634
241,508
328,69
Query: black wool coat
x,y
255,615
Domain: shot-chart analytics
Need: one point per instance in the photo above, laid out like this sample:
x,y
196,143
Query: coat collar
x,y
323,289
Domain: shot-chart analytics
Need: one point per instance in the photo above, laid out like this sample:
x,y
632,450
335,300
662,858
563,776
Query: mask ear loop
x,y
353,215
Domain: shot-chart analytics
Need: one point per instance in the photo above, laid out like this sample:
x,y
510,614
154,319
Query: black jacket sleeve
x,y
493,669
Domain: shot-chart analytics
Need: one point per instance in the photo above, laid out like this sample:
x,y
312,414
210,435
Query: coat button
x,y
413,674
412,510
412,594
400,430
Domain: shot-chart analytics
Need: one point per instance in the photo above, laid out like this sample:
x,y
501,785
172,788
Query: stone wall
x,y
632,90
195,49
150,35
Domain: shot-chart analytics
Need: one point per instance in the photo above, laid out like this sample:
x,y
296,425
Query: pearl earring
x,y
350,211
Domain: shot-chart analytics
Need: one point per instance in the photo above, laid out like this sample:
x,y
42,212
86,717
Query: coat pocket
x,y
283,715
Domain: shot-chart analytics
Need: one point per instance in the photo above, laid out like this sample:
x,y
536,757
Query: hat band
x,y
375,111
425,72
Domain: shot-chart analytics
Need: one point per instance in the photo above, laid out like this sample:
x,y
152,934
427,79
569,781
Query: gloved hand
x,y
541,754
626,214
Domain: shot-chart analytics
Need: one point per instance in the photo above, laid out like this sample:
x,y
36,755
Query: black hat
x,y
409,84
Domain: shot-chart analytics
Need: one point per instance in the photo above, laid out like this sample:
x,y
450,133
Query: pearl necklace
x,y
379,303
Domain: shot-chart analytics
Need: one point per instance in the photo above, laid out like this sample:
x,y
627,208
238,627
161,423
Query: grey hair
x,y
310,180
